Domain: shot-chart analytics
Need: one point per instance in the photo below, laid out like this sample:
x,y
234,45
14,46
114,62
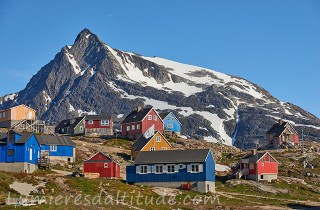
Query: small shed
x,y
102,164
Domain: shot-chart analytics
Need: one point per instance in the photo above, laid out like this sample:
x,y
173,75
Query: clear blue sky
x,y
273,43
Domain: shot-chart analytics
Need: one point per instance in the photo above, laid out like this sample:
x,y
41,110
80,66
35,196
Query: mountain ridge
x,y
90,76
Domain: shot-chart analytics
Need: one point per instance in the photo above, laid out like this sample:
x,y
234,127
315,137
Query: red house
x,y
139,121
102,164
99,124
282,134
257,166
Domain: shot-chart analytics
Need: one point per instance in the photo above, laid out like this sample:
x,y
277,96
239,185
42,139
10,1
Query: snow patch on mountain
x,y
10,97
293,123
73,62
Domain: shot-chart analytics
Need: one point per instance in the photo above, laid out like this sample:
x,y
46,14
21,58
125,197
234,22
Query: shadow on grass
x,y
124,156
302,206
222,179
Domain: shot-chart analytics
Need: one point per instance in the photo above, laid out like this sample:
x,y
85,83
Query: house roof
x,y
164,114
172,156
98,117
24,137
66,123
256,157
140,143
279,127
136,116
54,140
17,106
107,156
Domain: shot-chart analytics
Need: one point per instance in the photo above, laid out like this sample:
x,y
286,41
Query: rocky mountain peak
x,y
91,77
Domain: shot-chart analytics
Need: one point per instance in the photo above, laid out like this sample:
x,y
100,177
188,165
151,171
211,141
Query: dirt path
x,y
63,173
309,203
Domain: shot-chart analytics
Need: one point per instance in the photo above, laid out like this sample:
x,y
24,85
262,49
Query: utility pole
x,y
302,140
256,142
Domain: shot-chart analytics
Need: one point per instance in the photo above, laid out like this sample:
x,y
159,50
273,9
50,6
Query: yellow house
x,y
15,114
153,143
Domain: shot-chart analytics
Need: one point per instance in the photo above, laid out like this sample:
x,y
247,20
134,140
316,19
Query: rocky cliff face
x,y
91,77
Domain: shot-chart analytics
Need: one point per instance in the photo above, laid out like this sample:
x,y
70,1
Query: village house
x,y
282,134
71,126
23,118
185,169
172,125
153,143
60,148
103,165
139,121
257,166
22,152
99,124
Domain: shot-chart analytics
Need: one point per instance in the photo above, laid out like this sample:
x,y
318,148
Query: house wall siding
x,y
170,119
62,150
157,145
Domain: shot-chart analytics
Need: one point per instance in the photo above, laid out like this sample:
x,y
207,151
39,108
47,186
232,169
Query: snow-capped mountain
x,y
92,77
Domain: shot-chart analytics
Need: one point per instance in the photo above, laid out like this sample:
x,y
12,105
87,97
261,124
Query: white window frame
x,y
104,122
169,125
143,169
195,168
158,139
262,164
90,122
152,149
138,126
170,167
164,148
149,117
53,148
128,127
133,127
155,117
81,128
105,165
158,171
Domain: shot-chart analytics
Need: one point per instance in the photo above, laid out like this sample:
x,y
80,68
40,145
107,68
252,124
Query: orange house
x,y
154,143
11,116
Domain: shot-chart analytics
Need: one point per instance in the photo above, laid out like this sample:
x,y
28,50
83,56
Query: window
x,y
81,128
133,127
251,166
104,122
138,126
155,117
158,139
261,176
151,148
10,152
149,117
159,169
0,114
90,122
53,148
105,165
128,128
164,148
170,168
194,168
143,169
3,114
262,164
170,126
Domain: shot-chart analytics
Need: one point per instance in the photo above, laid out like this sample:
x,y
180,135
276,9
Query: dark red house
x,y
102,164
139,121
257,166
99,124
282,134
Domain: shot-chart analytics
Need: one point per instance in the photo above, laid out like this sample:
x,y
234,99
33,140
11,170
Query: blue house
x,y
18,152
186,169
56,147
172,125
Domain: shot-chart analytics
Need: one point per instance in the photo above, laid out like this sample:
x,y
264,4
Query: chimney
x,y
253,151
139,108
280,121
